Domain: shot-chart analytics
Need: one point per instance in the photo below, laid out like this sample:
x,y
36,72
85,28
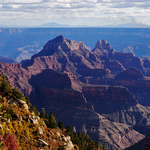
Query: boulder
x,y
42,143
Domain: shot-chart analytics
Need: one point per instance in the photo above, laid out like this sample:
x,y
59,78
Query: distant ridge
x,y
59,25
54,25
127,25
7,60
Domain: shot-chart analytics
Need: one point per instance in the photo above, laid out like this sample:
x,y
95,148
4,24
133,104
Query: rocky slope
x,y
20,128
144,144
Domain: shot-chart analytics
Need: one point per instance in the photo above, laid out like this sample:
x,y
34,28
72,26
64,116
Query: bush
x,y
61,148
10,142
2,146
16,94
5,87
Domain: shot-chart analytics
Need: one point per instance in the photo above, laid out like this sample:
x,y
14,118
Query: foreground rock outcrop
x,y
21,128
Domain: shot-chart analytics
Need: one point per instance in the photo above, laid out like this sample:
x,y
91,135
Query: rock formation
x,y
17,76
98,92
62,54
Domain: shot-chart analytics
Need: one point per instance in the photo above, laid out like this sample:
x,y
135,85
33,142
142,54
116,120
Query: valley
x,y
101,92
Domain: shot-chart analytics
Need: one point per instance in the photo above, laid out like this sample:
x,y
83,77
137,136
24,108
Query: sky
x,y
74,12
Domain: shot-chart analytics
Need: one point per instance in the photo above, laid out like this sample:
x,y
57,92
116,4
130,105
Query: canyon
x,y
101,92
22,43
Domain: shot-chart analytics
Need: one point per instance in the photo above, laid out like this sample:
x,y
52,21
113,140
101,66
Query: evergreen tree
x,y
36,112
5,87
28,100
42,114
47,117
52,121
68,129
47,120
103,147
97,145
79,134
60,125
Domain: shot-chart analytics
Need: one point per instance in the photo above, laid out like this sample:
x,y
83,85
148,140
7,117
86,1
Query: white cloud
x,y
20,1
68,9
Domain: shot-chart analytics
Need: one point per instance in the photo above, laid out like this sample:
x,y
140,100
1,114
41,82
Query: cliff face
x,y
128,60
17,76
118,105
132,78
109,93
137,83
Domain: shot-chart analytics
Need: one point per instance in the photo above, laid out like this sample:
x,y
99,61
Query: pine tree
x,y
5,87
60,125
47,120
52,121
68,129
42,114
28,100
35,111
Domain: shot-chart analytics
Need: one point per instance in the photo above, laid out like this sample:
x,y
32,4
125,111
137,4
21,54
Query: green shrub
x,y
16,94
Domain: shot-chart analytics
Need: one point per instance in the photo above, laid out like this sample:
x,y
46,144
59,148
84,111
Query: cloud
x,y
56,9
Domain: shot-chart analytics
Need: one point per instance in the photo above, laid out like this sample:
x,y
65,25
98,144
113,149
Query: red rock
x,y
131,74
62,54
102,45
128,60
17,77
113,65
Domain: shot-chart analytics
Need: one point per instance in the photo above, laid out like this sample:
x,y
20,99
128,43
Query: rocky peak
x,y
102,44
60,45
59,39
